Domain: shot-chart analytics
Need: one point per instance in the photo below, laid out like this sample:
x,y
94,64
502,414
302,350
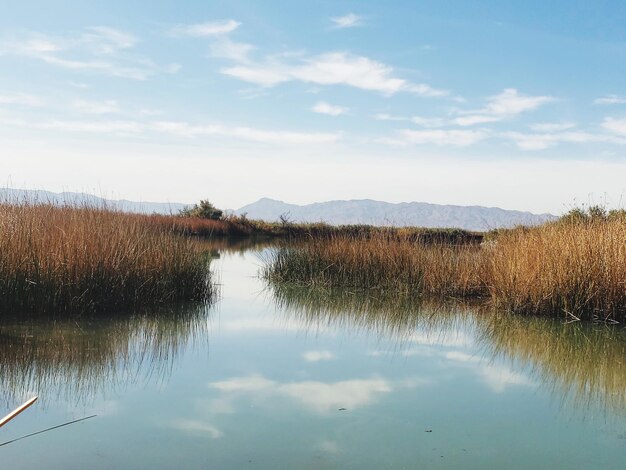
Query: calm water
x,y
297,379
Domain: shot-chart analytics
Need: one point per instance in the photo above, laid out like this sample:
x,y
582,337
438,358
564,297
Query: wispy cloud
x,y
316,356
332,68
618,126
428,122
97,127
388,117
541,141
321,397
225,48
610,99
96,107
181,129
326,108
552,126
97,49
496,377
347,21
199,428
502,106
438,137
21,99
209,28
246,133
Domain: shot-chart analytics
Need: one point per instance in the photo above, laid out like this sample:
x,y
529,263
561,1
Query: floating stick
x,y
17,411
48,429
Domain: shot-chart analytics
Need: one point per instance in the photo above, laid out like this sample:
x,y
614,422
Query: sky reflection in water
x,y
289,378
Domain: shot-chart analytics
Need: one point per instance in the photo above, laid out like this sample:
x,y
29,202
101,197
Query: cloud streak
x,y
331,68
332,110
347,21
209,28
97,49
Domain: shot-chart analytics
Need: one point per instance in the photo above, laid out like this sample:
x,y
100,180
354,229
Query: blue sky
x,y
512,104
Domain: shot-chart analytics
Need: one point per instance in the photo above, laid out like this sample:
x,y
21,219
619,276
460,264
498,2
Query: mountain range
x,y
71,198
370,212
360,211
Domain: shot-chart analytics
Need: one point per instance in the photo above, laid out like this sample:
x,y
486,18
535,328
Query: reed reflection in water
x,y
582,363
579,363
77,359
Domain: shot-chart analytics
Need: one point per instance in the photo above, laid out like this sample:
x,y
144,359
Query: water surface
x,y
290,378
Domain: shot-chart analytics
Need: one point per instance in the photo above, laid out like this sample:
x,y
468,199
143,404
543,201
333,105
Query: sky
x,y
519,105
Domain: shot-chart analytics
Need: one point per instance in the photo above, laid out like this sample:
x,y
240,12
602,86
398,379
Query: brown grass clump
x,y
572,268
61,259
382,263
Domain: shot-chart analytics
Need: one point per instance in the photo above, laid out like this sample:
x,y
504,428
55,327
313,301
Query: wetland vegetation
x,y
573,267
56,259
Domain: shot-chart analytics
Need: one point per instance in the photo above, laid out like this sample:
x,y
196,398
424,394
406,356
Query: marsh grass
x,y
577,269
381,263
59,259
570,268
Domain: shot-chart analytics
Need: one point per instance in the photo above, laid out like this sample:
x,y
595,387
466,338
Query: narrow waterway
x,y
296,379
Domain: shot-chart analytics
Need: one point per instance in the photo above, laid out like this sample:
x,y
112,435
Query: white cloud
x,y
440,137
496,377
320,397
252,383
209,28
332,110
475,119
22,99
511,102
107,40
266,76
96,107
181,129
618,126
100,127
552,126
428,122
347,21
333,68
196,427
316,356
542,141
98,49
388,117
224,48
610,99
245,133
502,106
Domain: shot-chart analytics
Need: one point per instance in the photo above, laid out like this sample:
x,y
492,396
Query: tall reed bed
x,y
69,259
382,263
571,268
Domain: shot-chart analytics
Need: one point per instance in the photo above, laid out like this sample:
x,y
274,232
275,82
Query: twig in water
x,y
46,430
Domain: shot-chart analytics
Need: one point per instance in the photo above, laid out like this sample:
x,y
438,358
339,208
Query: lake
x,y
288,378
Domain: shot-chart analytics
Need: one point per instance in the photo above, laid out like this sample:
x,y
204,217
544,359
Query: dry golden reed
x,y
571,268
576,269
59,259
383,263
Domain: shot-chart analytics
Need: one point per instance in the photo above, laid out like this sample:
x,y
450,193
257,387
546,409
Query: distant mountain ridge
x,y
360,211
71,198
371,212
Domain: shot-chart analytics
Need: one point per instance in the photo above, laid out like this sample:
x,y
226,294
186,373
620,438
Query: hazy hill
x,y
364,211
89,199
367,211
